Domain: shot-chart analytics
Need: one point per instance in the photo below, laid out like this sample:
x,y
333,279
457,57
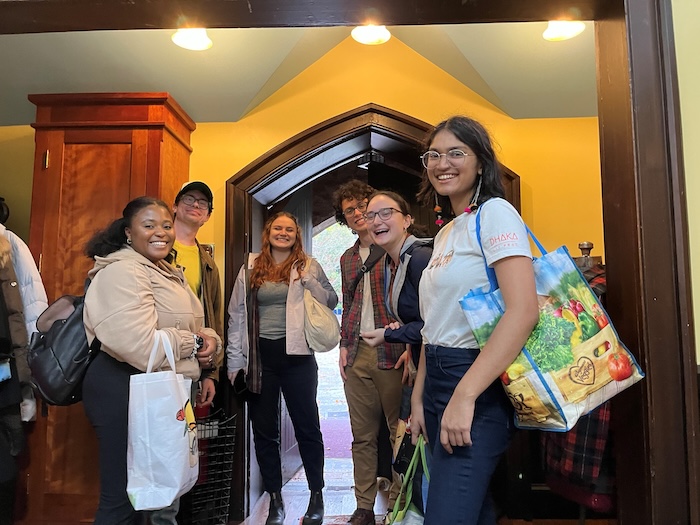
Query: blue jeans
x,y
459,492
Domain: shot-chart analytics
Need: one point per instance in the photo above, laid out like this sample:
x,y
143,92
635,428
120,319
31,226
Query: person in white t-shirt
x,y
458,403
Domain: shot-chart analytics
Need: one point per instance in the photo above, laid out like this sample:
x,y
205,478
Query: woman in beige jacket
x,y
134,294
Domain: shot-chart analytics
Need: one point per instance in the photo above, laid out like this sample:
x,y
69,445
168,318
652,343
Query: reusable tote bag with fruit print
x,y
573,361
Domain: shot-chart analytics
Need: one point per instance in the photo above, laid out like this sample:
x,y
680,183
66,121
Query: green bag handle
x,y
398,513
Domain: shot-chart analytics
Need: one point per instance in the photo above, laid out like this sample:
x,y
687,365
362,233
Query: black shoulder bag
x,y
375,253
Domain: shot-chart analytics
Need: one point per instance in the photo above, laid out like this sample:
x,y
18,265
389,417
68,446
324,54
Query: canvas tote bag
x,y
573,360
321,327
162,455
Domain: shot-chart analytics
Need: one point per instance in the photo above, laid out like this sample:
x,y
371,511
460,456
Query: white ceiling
x,y
510,65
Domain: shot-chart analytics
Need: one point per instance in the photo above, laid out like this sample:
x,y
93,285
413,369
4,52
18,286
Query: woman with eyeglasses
x,y
389,220
371,375
266,340
457,401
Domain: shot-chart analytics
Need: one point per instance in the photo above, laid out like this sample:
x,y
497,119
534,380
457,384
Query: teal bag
x,y
409,513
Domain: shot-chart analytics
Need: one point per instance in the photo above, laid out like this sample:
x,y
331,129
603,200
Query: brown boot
x,y
362,517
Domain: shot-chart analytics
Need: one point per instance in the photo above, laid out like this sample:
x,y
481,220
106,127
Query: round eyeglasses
x,y
189,200
384,214
361,207
455,157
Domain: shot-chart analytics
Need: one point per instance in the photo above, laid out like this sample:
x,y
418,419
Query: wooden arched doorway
x,y
318,160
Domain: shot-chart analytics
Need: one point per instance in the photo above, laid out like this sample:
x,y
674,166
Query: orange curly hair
x,y
265,268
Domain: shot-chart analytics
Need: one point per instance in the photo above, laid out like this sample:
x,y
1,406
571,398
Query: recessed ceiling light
x,y
371,35
192,38
563,29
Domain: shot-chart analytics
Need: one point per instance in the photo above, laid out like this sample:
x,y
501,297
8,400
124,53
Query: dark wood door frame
x,y
646,241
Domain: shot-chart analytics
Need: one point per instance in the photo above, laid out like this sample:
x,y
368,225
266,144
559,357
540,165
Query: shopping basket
x,y
208,501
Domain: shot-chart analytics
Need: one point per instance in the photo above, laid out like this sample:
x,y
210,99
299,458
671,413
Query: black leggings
x,y
106,402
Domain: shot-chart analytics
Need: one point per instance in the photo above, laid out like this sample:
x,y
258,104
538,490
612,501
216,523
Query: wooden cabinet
x,y
94,152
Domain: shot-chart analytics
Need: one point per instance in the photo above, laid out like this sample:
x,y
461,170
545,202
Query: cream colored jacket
x,y
130,298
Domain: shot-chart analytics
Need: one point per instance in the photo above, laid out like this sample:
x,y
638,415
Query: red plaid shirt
x,y
350,264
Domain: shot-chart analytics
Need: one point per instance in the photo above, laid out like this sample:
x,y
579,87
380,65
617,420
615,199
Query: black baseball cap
x,y
199,186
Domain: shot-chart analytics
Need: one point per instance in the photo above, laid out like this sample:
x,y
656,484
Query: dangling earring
x,y
128,241
473,205
438,211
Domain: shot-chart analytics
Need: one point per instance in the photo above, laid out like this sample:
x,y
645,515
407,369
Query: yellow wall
x,y
557,159
16,166
686,13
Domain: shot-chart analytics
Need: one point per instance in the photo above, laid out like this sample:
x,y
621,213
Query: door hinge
x,y
46,159
40,261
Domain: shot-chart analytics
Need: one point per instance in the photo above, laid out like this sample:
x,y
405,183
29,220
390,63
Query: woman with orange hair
x,y
266,340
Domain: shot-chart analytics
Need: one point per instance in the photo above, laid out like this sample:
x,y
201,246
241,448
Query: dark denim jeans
x,y
458,493
296,376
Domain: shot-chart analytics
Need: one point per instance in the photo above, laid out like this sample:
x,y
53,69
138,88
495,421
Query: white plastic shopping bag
x,y
162,455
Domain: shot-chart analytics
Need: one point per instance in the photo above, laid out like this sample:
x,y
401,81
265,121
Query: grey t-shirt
x,y
272,310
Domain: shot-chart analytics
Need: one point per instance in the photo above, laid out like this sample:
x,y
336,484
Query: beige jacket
x,y
130,298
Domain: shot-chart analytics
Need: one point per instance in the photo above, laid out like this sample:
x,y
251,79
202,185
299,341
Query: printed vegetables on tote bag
x,y
573,360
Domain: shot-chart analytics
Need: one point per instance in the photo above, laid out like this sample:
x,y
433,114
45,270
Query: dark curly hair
x,y
113,237
355,189
474,135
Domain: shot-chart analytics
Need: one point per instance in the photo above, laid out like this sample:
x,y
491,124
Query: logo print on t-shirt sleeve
x,y
503,241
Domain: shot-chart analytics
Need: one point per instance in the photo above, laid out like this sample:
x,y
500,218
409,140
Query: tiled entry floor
x,y
339,496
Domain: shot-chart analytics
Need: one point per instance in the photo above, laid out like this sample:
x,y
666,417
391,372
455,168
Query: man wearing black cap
x,y
193,206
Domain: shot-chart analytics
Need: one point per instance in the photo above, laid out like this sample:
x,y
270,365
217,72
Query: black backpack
x,y
59,353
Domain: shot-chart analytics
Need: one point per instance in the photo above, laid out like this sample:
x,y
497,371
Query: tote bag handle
x,y
490,272
407,485
167,347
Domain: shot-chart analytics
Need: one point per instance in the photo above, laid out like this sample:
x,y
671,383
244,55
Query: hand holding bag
x,y
411,513
162,454
573,360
